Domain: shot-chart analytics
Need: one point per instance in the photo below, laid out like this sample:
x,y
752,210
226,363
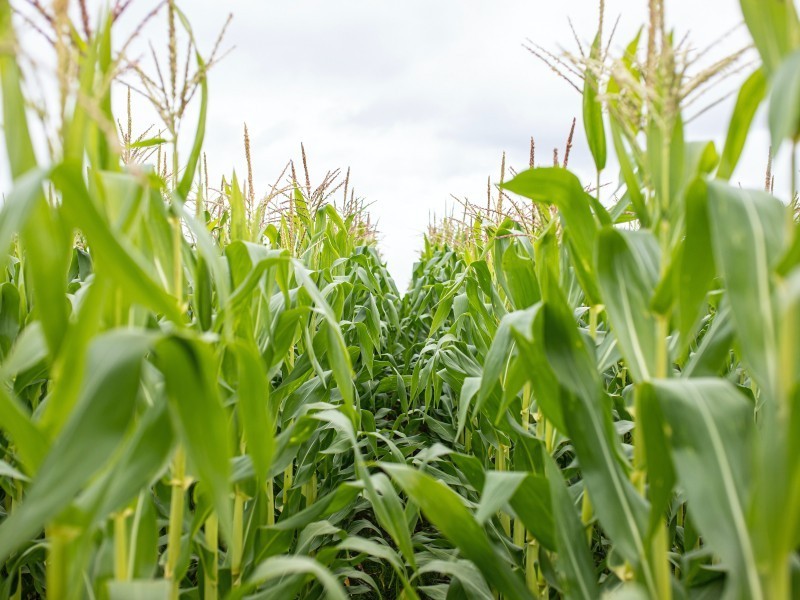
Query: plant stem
x,y
211,574
177,258
17,595
661,565
56,577
237,543
593,312
287,484
793,177
175,520
134,539
500,465
531,578
586,513
778,584
120,547
270,503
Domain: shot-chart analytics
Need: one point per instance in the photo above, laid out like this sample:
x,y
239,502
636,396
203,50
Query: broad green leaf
x,y
710,427
593,111
532,502
657,460
254,408
19,147
751,95
337,349
31,443
48,254
498,489
18,205
520,277
696,265
144,457
627,271
238,212
621,510
474,585
562,188
197,146
775,29
784,103
715,347
190,372
632,184
94,431
278,567
445,509
112,258
747,229
574,558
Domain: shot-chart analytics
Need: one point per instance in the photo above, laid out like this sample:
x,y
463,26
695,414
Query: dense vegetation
x,y
210,395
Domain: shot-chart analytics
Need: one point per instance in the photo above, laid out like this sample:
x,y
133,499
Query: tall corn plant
x,y
655,365
139,431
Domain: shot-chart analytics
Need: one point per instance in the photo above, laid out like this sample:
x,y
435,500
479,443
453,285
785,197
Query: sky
x,y
419,98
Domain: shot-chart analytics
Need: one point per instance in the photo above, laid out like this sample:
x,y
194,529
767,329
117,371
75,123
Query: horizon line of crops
x,y
209,396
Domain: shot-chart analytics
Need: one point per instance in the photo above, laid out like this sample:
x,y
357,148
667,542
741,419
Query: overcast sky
x,y
419,97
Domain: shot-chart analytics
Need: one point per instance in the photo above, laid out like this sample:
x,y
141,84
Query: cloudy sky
x,y
420,97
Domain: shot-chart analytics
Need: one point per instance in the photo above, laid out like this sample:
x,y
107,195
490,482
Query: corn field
x,y
206,393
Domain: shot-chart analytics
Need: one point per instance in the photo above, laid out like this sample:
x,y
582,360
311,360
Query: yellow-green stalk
x,y
175,532
237,542
121,546
211,573
270,490
500,465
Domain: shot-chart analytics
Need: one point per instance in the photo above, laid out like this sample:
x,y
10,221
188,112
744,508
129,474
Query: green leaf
x,y
18,205
774,27
710,431
254,408
31,443
574,558
632,183
532,503
190,372
280,566
747,229
19,147
48,253
627,271
112,257
142,460
94,431
445,509
751,95
593,111
562,188
520,277
784,103
696,269
148,143
197,146
238,229
621,510
462,570
337,349
656,452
